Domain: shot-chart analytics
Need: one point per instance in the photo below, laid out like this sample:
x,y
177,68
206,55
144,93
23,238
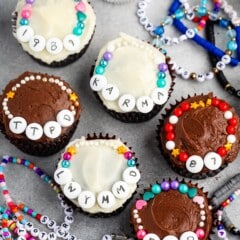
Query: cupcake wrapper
x,y
182,171
55,64
100,214
138,117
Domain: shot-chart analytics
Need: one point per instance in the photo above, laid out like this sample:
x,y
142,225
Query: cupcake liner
x,y
105,136
138,117
182,171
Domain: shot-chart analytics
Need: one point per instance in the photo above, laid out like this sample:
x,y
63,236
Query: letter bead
x,y
52,129
54,45
144,104
151,236
131,175
126,103
71,42
34,131
24,33
188,235
212,161
120,189
159,96
106,199
86,199
44,219
65,118
62,176
17,125
37,43
110,92
72,190
98,82
194,164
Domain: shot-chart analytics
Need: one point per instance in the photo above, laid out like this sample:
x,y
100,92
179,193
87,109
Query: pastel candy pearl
x,y
165,185
141,234
80,7
174,184
200,233
26,13
30,1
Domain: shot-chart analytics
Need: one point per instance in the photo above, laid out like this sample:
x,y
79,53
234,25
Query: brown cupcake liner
x,y
55,64
182,171
117,211
138,117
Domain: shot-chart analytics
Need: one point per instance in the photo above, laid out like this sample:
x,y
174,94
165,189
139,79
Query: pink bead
x,y
26,13
128,155
141,234
67,156
27,7
80,7
200,233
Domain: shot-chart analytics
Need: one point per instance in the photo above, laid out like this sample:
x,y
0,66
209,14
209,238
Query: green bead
x,y
81,25
192,192
77,31
161,74
14,160
66,164
103,63
131,163
81,16
34,214
156,188
99,70
232,45
183,188
148,196
24,22
161,83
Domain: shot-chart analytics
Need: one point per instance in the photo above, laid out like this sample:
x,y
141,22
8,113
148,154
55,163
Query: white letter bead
x,y
42,236
170,145
144,104
220,65
65,118
51,224
98,82
226,59
52,129
185,74
200,78
52,236
142,4
151,236
131,175
194,164
44,219
159,96
24,33
65,226
212,161
72,190
126,103
37,43
86,199
68,211
71,42
106,199
141,13
149,26
69,219
54,45
209,75
170,237
173,119
143,20
231,138
62,176
228,115
34,131
35,232
110,92
19,238
29,226
120,189
17,125
189,235
106,237
21,231
190,33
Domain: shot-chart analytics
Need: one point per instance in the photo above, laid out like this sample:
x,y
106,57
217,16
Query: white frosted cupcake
x,y
98,174
132,79
54,32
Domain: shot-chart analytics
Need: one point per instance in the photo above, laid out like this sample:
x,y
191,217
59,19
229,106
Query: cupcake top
x,y
172,210
201,134
97,174
38,107
51,30
131,75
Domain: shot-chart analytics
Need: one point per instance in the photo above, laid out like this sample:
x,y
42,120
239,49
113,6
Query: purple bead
x,y
29,211
107,56
6,234
8,212
30,1
174,184
165,185
163,67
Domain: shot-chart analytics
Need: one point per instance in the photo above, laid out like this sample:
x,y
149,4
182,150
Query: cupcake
x,y
131,79
39,113
98,174
200,136
55,33
172,210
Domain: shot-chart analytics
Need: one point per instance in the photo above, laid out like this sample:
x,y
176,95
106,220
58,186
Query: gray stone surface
x,y
111,19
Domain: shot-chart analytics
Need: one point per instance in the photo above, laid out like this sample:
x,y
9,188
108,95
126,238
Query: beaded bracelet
x,y
25,227
219,75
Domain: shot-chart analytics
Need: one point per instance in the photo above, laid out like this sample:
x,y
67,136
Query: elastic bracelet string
x,y
219,75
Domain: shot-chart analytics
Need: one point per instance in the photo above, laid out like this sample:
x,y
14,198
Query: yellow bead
x,y
121,149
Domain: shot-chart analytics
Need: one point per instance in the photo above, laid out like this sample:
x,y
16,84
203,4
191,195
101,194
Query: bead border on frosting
x,y
126,101
213,159
105,199
34,131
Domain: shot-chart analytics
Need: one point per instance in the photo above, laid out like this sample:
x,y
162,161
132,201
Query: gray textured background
x,y
111,19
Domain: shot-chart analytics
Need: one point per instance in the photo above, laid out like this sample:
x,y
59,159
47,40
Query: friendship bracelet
x,y
219,75
58,231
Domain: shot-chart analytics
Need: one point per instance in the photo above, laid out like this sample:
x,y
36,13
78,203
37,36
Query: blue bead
x,y
81,25
231,33
14,160
201,11
25,209
168,20
159,30
99,70
46,178
34,214
183,188
161,83
103,63
156,188
224,23
24,221
81,16
179,14
66,164
131,163
77,31
157,42
219,227
27,163
232,45
24,22
4,216
2,168
161,74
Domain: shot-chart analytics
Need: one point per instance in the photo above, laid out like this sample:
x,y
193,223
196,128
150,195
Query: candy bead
x,y
107,56
30,1
233,121
161,83
128,155
80,7
81,16
99,70
183,156
77,31
131,163
183,188
165,185
26,13
200,233
156,188
163,67
67,156
141,234
24,22
168,127
174,184
231,130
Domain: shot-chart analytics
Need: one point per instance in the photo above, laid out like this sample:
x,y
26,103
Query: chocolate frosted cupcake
x,y
131,79
172,210
39,113
98,174
200,136
55,33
